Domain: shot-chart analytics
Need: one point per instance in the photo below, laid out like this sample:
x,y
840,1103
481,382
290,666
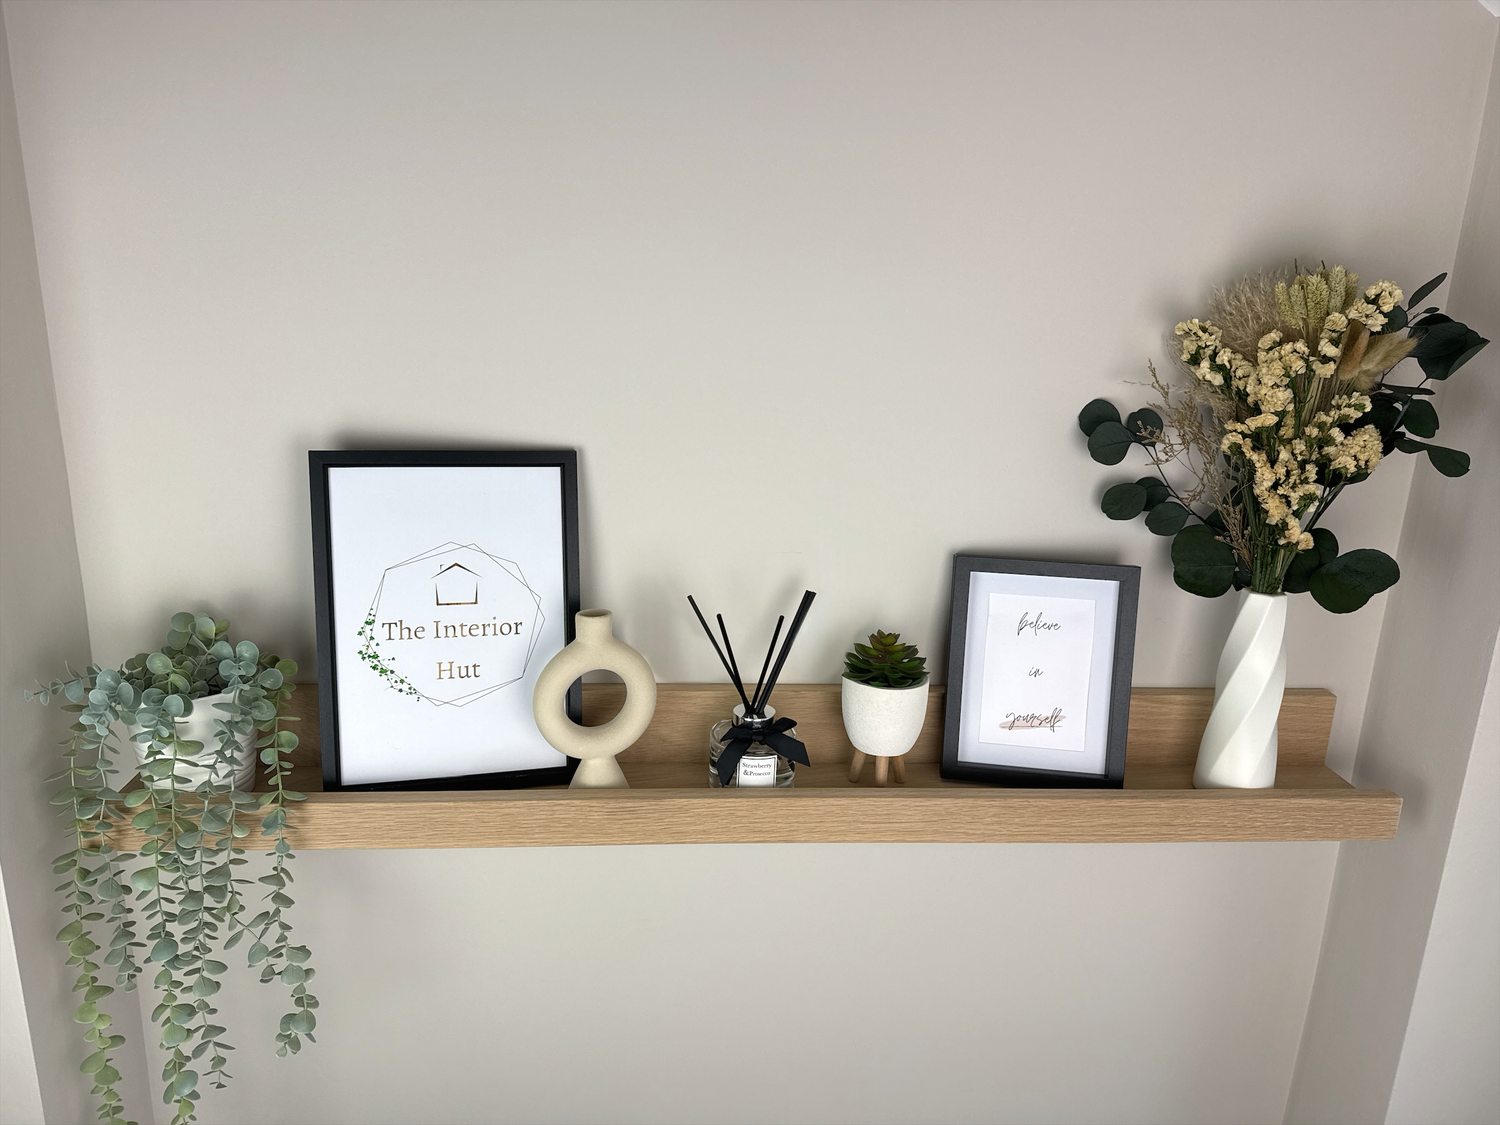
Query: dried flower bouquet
x,y
1288,404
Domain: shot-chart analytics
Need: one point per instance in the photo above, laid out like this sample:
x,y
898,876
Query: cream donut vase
x,y
594,649
1238,750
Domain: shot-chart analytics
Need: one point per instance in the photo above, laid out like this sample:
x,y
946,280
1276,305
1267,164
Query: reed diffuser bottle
x,y
758,767
755,749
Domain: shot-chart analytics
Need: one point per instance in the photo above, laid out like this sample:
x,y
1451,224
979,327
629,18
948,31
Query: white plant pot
x,y
202,726
883,722
1238,750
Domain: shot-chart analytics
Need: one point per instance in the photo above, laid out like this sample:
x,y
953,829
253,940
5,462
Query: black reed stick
x,y
755,699
734,665
713,641
791,639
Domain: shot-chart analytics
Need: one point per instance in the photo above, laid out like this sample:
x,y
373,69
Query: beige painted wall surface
x,y
1448,1071
42,624
1419,734
20,1091
906,243
910,240
798,983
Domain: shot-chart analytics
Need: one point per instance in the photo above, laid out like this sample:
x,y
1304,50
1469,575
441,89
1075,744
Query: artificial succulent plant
x,y
886,662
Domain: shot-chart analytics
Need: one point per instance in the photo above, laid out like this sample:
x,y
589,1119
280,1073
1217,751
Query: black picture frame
x,y
1119,680
320,462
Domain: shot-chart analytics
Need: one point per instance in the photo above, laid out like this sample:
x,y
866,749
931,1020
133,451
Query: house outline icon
x,y
455,584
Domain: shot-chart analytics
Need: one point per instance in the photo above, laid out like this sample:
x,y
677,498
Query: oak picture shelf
x,y
669,801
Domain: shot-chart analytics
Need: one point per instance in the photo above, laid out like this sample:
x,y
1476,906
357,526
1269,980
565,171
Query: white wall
x,y
20,1090
800,983
907,242
1448,1070
1419,733
42,623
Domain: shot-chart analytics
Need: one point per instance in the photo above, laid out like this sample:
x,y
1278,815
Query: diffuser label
x,y
1037,661
756,771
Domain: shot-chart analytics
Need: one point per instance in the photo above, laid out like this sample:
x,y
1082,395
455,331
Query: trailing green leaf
x,y
1201,563
1349,581
1167,518
1095,413
1123,501
1421,419
1449,462
1299,574
1109,442
1425,291
1157,491
1476,344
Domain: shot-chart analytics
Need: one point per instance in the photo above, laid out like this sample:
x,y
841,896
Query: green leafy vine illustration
x,y
370,653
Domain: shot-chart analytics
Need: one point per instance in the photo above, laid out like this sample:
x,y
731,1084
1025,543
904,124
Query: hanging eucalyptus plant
x,y
184,884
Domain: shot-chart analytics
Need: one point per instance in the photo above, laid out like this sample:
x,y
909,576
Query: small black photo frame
x,y
1039,667
445,582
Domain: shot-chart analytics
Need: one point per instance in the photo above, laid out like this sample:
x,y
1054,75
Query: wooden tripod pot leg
x,y
882,764
898,769
856,767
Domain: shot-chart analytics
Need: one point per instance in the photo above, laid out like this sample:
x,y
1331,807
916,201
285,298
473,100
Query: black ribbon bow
x,y
739,739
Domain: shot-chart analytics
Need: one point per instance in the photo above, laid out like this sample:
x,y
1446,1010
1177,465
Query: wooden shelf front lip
x,y
671,803
549,818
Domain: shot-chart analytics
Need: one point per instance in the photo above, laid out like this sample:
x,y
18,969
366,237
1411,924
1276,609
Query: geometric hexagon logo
x,y
452,625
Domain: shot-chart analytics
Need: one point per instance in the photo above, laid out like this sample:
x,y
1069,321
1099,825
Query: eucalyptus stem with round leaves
x,y
186,884
88,797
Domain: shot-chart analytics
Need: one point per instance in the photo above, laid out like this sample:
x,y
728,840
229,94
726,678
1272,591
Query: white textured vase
x,y
1238,750
883,722
595,648
202,726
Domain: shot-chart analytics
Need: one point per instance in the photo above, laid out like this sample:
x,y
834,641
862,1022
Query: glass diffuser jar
x,y
761,767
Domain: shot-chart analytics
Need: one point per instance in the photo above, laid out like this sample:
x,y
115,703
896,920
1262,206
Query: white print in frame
x,y
1037,665
448,582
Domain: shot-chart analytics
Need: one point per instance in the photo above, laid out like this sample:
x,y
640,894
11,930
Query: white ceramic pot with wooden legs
x,y
595,648
1238,750
883,723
